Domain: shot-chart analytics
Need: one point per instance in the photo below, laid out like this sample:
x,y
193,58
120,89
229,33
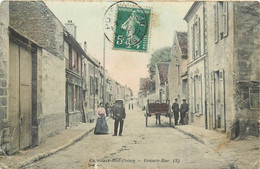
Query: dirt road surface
x,y
155,146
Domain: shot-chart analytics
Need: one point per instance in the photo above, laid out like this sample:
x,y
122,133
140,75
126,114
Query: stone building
x,y
197,60
161,82
4,69
223,66
177,75
34,21
233,50
92,87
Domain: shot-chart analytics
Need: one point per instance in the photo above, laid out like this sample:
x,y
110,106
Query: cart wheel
x,y
146,120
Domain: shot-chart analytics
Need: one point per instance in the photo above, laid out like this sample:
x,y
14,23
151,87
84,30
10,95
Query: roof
x,y
163,68
183,42
143,83
194,5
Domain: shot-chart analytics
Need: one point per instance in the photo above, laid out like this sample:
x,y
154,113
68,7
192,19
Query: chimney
x,y
85,46
72,28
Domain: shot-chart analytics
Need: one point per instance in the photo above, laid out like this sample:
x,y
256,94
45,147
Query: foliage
x,y
160,55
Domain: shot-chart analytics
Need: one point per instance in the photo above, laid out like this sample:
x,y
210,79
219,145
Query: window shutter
x,y
193,42
225,18
198,35
216,22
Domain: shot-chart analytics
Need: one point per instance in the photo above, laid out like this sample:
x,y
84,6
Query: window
x,y
196,38
220,20
198,94
254,98
96,80
66,50
70,97
79,65
74,60
77,98
91,85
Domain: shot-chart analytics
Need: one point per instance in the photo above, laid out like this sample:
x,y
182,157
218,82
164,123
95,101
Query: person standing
x,y
183,110
113,108
129,106
107,109
132,106
101,125
119,116
175,109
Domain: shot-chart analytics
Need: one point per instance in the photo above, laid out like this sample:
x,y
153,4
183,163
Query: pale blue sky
x,y
125,67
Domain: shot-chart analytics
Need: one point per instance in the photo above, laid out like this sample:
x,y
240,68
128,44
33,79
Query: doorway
x,y
218,111
20,97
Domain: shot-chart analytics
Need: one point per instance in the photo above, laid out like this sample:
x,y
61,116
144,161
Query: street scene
x,y
129,84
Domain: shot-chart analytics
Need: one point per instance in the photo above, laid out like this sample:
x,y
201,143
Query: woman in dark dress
x,y
101,125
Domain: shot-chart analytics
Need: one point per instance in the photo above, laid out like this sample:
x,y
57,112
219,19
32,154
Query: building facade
x,y
197,64
177,76
223,66
48,83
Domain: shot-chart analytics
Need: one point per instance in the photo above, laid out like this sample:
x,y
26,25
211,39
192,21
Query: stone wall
x,y
4,53
35,20
246,62
51,84
220,58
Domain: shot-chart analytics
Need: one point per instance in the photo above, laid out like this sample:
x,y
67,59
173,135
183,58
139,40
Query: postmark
x,y
126,25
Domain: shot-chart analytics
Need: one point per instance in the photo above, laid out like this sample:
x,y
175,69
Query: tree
x,y
160,55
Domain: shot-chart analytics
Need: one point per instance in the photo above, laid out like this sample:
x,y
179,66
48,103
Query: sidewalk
x,y
48,147
240,153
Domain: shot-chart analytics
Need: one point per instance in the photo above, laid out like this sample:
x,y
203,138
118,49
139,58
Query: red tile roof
x,y
182,38
143,83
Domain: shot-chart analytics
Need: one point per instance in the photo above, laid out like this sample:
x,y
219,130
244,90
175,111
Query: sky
x,y
123,66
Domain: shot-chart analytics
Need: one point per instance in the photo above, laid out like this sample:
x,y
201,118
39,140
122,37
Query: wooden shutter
x,y
216,22
193,42
198,35
225,18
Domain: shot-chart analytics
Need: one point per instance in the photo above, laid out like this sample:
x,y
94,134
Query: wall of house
x,y
90,95
246,65
220,56
4,61
51,118
196,68
174,78
198,10
34,20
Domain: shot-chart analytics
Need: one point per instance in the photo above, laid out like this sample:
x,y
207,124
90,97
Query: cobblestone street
x,y
156,146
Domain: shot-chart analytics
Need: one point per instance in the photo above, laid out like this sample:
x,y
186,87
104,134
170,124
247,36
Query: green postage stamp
x,y
132,29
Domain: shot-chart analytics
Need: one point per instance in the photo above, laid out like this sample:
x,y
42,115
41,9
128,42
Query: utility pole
x,y
104,71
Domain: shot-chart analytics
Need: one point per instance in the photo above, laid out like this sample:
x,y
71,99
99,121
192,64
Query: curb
x,y
190,134
187,133
53,151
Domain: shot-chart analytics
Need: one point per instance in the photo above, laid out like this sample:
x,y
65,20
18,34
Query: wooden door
x,y
25,97
13,115
20,102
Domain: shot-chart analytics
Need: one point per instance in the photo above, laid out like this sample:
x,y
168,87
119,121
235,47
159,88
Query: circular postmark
x,y
126,25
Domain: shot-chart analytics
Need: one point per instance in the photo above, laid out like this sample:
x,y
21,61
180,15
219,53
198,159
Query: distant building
x,y
161,82
177,76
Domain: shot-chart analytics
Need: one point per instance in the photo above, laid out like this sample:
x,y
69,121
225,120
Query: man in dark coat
x,y
183,110
119,116
175,109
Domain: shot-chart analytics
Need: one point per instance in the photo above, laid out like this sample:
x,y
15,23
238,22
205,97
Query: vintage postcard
x,y
142,84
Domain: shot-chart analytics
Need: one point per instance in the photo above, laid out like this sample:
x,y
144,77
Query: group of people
x,y
118,114
183,111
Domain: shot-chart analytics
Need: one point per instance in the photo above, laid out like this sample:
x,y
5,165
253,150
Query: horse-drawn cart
x,y
158,108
